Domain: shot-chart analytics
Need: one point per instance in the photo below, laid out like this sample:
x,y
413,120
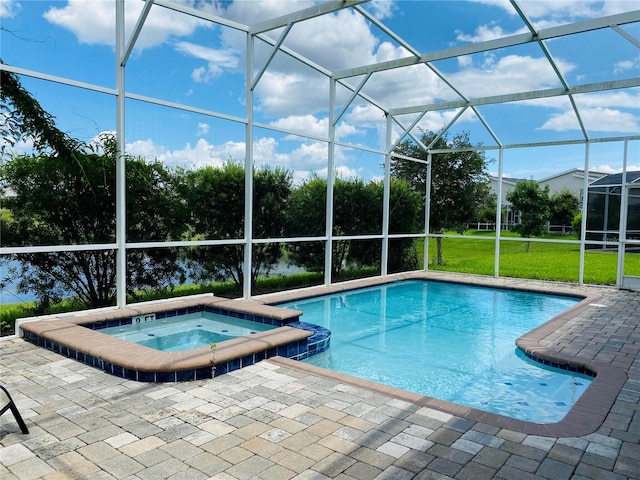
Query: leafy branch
x,y
23,117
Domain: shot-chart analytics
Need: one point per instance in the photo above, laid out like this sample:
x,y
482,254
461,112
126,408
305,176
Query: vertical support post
x,y
248,173
121,204
386,200
605,224
427,212
496,259
624,211
328,252
583,224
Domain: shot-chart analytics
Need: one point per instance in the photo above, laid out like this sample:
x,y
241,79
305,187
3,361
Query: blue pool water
x,y
448,341
186,332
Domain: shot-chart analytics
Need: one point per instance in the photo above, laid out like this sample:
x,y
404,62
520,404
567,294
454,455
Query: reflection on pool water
x,y
448,341
186,332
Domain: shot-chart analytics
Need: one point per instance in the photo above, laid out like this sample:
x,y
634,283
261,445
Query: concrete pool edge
x,y
585,417
589,412
65,334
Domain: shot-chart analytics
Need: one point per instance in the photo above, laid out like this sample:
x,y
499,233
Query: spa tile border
x,y
68,335
586,416
250,316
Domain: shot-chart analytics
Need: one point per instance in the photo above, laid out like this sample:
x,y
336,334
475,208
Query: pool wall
x,y
68,335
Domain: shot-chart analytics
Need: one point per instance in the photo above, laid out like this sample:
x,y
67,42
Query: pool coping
x,y
584,418
66,334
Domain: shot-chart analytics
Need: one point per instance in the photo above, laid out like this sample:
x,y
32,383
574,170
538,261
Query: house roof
x,y
575,171
615,179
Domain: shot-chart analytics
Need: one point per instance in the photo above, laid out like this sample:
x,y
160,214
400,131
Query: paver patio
x,y
275,421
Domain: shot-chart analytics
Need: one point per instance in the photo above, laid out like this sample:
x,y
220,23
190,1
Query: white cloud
x,y
144,148
614,98
249,13
595,119
96,25
575,9
600,112
433,121
623,66
9,8
408,86
265,153
484,33
345,172
217,60
335,41
200,155
317,127
313,155
307,158
606,168
387,51
465,61
565,10
284,89
508,74
203,128
23,146
382,9
303,123
365,115
545,14
623,99
293,93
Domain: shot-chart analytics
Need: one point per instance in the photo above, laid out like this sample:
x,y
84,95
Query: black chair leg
x,y
12,406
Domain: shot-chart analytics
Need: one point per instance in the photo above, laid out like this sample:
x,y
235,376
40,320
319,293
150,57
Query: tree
x,y
576,225
357,211
404,217
63,202
214,203
306,218
533,204
563,206
487,213
459,181
65,194
23,116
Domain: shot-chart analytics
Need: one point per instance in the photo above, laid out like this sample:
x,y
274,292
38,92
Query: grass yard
x,y
545,261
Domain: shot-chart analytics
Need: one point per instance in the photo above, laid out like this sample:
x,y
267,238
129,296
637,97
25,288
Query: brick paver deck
x,y
275,421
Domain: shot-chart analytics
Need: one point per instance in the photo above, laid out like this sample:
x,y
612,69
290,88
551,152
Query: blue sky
x,y
182,59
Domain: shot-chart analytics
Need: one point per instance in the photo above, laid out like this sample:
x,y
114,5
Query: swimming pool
x,y
186,332
449,341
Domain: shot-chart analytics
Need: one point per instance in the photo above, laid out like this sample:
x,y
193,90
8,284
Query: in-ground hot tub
x,y
185,331
78,336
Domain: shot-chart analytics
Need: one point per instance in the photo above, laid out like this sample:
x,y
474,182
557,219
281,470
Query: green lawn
x,y
544,261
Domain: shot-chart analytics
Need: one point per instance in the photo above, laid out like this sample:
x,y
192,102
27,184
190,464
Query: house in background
x,y
604,207
571,180
509,217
